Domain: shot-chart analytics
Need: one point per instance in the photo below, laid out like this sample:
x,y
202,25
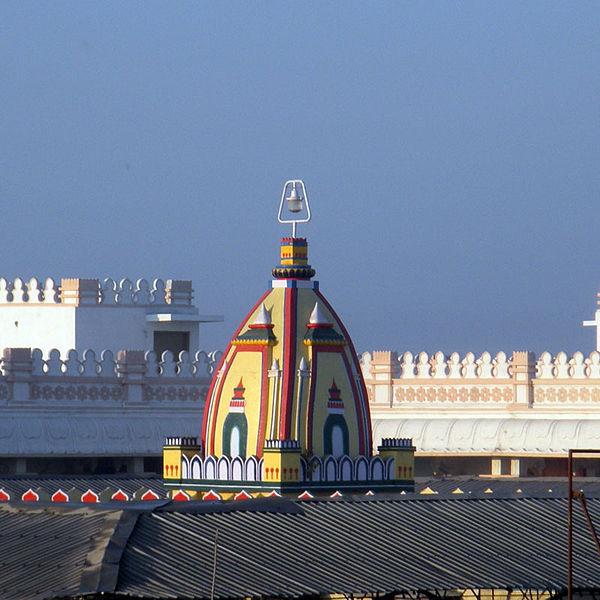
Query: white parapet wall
x,y
99,404
516,404
87,313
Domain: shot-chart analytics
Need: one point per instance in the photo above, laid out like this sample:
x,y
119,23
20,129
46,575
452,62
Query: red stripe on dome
x,y
289,362
364,408
219,367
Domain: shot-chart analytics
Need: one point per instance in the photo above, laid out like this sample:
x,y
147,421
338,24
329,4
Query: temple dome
x,y
290,350
287,409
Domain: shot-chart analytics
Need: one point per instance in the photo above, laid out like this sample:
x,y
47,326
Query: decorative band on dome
x,y
293,272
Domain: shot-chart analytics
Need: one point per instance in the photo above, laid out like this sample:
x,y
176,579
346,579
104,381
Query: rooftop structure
x,y
83,314
496,416
96,413
287,408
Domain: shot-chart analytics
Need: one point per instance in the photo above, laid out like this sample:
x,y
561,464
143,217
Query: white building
x,y
94,376
85,314
84,413
512,415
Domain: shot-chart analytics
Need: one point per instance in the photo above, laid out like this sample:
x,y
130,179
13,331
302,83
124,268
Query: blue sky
x,y
451,152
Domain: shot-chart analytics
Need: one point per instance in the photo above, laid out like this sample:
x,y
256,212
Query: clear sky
x,y
451,152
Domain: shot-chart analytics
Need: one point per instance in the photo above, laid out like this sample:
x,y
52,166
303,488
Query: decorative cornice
x,y
293,272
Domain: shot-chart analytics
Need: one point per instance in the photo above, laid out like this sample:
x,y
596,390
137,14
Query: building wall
x,y
87,314
43,326
114,327
503,415
81,411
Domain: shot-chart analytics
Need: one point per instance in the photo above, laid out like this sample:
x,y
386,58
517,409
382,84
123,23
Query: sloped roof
x,y
51,553
292,549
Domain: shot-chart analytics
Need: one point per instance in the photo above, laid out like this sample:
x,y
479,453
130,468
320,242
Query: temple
x,y
287,409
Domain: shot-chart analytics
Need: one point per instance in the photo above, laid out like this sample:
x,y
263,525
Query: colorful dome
x,y
287,409
290,350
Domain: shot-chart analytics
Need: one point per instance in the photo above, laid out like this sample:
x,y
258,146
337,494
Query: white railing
x,y
455,381
142,292
130,377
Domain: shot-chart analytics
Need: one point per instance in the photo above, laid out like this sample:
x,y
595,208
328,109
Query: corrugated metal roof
x,y
277,547
355,547
48,552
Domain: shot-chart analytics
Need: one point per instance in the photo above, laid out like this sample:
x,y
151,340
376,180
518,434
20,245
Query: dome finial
x,y
294,194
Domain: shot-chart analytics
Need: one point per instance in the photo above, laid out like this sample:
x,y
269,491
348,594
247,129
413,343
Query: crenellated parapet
x,y
521,379
130,376
563,366
78,291
105,364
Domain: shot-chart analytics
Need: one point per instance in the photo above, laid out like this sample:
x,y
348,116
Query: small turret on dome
x,y
317,318
287,409
260,331
320,330
263,318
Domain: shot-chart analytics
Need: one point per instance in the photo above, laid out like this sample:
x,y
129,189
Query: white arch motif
x,y
185,467
196,467
377,469
237,469
223,468
346,470
362,469
210,467
251,468
330,469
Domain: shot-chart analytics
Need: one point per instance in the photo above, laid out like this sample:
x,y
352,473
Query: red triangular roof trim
x,y
30,496
90,497
59,496
243,495
150,495
180,496
273,494
120,496
211,496
305,495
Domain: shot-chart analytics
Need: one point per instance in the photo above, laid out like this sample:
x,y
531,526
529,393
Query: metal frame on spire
x,y
297,193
